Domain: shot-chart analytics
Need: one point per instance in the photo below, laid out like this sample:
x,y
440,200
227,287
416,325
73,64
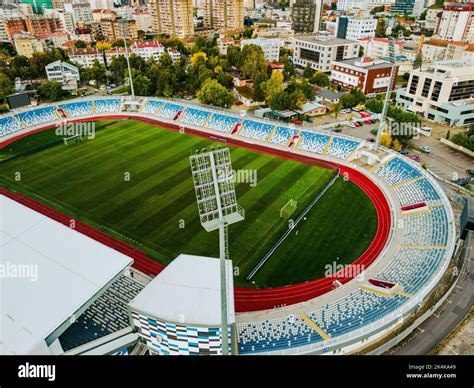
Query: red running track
x,y
246,299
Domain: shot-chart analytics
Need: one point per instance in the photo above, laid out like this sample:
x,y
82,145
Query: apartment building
x,y
307,16
366,74
27,44
172,17
319,51
223,15
355,28
270,47
457,23
443,92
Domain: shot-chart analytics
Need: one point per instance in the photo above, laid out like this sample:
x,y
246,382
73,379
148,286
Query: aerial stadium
x,y
335,242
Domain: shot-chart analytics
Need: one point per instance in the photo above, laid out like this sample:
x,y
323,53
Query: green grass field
x,y
134,181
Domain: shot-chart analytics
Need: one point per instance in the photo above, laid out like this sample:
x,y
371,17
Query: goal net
x,y
287,210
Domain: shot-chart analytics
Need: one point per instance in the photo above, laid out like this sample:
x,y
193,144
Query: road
x,y
447,317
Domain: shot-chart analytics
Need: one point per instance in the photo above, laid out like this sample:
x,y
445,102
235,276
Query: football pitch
x,y
134,182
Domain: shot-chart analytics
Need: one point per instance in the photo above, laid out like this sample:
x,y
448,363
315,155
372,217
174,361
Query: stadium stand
x,y
79,108
397,171
37,116
341,148
313,142
359,308
282,135
8,125
169,111
153,106
110,105
256,130
106,315
275,334
220,122
195,116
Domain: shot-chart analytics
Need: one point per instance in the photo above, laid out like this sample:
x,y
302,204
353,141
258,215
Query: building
x,y
38,5
143,20
403,7
26,44
224,42
63,72
270,47
179,311
457,23
172,17
355,28
442,50
87,56
366,74
307,15
55,39
153,50
442,93
223,15
349,5
379,47
33,24
319,52
101,4
81,12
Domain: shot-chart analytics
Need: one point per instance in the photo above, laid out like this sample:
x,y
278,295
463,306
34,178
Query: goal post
x,y
77,136
289,208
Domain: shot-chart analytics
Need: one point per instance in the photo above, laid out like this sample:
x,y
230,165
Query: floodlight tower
x,y
383,115
124,29
218,208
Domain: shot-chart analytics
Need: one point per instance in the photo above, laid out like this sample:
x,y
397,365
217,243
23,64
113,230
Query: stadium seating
x,y
397,171
358,309
79,108
275,334
169,111
420,190
412,268
153,106
313,142
221,122
195,116
427,228
256,130
8,125
341,148
282,135
106,315
110,105
38,116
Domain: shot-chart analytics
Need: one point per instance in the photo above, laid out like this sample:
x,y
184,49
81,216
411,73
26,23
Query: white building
x,y
349,5
143,20
101,4
81,12
457,23
441,93
319,52
153,50
355,28
270,47
63,72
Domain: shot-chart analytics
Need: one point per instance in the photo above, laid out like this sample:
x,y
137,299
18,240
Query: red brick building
x,y
367,74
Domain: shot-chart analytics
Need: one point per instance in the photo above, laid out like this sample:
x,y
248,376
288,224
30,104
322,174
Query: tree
x,y
297,99
308,71
252,62
21,67
273,85
380,29
79,44
198,59
98,73
358,95
418,61
320,79
6,87
142,84
280,101
233,55
103,46
385,139
51,90
347,101
213,93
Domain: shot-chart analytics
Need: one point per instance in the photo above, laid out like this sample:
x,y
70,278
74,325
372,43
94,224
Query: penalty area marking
x,y
288,231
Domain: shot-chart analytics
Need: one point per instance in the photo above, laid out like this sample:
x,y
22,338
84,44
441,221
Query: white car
x,y
352,125
425,149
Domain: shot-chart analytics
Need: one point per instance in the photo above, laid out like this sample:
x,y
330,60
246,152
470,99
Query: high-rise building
x,y
38,5
355,28
224,14
307,15
457,23
172,17
403,7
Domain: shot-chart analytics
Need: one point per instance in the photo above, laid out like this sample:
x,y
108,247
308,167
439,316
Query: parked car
x,y
403,151
352,125
470,172
336,130
371,140
461,181
415,157
425,149
356,109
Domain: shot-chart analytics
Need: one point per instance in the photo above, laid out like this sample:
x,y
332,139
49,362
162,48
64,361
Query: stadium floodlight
x,y
383,115
217,205
124,29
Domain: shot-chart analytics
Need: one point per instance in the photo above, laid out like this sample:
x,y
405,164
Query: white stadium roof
x,y
71,269
187,291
